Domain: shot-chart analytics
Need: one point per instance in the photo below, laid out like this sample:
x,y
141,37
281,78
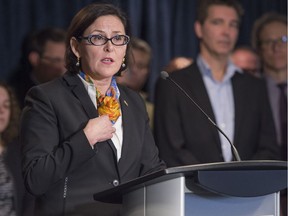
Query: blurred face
x,y
182,62
51,64
103,61
273,50
219,32
178,63
247,61
4,109
136,75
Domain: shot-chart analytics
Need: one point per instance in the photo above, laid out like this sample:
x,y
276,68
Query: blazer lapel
x,y
239,101
77,88
128,128
199,93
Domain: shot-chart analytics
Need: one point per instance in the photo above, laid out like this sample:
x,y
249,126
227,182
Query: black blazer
x,y
60,167
185,136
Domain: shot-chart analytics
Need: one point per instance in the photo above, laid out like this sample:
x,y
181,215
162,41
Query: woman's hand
x,y
99,129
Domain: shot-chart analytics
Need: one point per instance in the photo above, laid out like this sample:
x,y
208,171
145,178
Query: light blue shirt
x,y
222,101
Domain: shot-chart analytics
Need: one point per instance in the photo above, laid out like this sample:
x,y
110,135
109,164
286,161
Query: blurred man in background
x,y
178,63
270,40
236,101
42,60
137,74
247,59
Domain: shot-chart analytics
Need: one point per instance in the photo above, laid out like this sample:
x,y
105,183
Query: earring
x,y
123,63
78,62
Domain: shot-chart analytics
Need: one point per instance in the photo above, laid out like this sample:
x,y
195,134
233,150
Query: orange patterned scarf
x,y
107,104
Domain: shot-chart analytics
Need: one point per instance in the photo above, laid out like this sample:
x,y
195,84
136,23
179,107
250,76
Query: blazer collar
x,y
77,88
198,90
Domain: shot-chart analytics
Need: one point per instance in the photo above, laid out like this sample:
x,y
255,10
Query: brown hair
x,y
38,39
11,132
141,45
203,6
261,22
82,20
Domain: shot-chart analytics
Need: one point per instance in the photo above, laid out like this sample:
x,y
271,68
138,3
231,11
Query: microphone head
x,y
164,75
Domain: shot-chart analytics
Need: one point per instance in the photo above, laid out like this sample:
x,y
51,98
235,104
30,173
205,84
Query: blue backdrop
x,y
167,25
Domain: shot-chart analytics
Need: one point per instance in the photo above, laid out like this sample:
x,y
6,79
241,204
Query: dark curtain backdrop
x,y
167,25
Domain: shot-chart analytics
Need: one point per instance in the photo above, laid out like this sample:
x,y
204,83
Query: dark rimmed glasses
x,y
269,43
98,40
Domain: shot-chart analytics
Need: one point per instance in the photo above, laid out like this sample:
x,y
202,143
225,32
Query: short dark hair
x,y
39,38
245,48
82,20
203,6
35,41
140,45
261,22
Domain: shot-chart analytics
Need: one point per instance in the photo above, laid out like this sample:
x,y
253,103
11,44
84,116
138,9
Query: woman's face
x,y
4,109
103,61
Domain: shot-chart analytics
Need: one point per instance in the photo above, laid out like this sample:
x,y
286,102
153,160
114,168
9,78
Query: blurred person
x,y
269,37
23,202
83,133
235,100
137,74
270,40
177,63
247,59
9,119
42,60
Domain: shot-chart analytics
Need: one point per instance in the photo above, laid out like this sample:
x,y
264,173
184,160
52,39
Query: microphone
x,y
165,76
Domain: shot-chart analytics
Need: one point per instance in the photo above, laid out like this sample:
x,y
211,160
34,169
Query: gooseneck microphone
x,y
165,76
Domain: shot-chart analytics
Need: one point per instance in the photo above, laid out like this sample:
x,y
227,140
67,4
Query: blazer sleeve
x,y
47,158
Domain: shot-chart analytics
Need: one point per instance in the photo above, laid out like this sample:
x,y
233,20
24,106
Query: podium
x,y
246,188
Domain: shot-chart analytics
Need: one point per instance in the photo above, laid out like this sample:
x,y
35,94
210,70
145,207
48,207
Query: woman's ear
x,y
75,46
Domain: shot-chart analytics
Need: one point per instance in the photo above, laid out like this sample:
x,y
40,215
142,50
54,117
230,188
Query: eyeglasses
x,y
272,42
98,40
